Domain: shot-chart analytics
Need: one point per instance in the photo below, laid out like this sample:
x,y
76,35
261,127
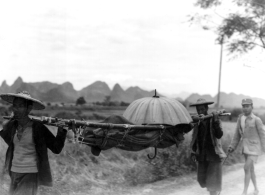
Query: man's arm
x,y
5,133
2,134
236,137
54,143
217,126
261,132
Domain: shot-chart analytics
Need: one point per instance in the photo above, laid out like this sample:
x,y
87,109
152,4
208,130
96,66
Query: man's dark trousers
x,y
23,183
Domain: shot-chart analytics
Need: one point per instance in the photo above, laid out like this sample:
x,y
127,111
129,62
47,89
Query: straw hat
x,y
201,101
36,104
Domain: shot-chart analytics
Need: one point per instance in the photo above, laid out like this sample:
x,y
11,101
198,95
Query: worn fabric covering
x,y
131,139
209,175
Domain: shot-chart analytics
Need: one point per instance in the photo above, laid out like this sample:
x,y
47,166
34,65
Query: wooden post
x,y
220,73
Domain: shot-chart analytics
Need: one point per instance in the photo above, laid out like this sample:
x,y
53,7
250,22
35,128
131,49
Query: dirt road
x,y
233,183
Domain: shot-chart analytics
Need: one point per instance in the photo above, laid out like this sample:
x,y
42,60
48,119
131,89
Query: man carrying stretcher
x,y
206,149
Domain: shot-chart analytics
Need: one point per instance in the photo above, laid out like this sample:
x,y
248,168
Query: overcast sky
x,y
145,43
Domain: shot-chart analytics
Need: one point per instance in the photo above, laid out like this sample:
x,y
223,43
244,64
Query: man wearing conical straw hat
x,y
26,158
250,130
206,149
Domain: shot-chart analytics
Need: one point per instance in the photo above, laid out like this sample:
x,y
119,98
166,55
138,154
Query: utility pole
x,y
220,72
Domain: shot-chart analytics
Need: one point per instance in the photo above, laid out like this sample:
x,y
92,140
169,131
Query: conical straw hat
x,y
9,97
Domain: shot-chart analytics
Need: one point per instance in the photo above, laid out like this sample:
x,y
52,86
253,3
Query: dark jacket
x,y
43,139
215,131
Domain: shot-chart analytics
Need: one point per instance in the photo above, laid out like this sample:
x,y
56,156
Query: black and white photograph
x,y
122,97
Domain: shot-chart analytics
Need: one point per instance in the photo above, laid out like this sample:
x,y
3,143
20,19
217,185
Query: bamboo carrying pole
x,y
78,123
197,118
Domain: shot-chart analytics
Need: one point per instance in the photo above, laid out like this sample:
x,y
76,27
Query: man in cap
x,y
26,158
250,130
206,149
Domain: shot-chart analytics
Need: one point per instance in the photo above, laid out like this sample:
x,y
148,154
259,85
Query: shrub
x,y
235,113
39,114
172,162
96,116
80,101
124,103
66,115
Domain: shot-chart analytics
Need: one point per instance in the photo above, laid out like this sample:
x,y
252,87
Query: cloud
x,y
143,43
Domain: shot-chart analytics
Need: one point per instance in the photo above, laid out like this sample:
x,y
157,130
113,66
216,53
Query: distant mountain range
x,y
230,100
97,92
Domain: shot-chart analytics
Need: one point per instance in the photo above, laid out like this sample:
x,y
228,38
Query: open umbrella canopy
x,y
157,110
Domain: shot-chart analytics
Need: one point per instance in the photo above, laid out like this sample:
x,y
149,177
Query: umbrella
x,y
157,110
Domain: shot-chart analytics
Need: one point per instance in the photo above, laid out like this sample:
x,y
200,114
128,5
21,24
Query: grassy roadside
x,y
77,171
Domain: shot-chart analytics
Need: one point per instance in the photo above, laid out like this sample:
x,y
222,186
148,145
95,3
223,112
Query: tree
x,y
106,101
124,103
80,101
244,29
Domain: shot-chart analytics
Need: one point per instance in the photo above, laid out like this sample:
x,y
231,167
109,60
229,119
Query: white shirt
x,y
243,121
